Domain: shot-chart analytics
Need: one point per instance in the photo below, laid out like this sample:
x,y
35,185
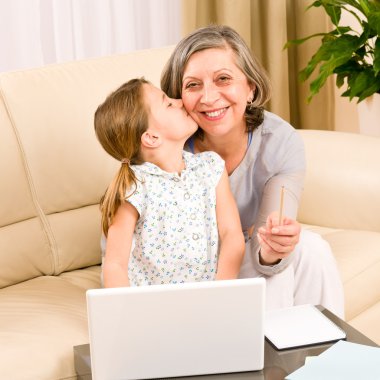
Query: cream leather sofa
x,y
53,173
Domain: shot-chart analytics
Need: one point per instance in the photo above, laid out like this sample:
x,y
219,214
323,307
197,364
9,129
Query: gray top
x,y
275,158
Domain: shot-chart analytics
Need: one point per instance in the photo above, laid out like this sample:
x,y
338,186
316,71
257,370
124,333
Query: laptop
x,y
176,330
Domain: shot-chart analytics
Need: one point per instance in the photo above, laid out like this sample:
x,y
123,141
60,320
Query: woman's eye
x,y
190,85
170,104
224,79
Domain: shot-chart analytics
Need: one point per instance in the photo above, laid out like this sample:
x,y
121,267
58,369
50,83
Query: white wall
x,y
39,32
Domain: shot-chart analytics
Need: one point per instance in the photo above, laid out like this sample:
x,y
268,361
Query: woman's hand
x,y
277,241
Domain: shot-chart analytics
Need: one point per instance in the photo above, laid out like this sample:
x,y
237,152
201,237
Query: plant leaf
x,y
301,40
376,59
374,21
375,87
335,52
348,67
340,80
316,4
332,10
363,85
317,83
346,52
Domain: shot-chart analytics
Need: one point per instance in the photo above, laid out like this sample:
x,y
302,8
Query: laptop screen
x,y
176,330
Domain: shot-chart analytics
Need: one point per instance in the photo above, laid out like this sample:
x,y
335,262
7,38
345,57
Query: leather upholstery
x,y
341,201
53,172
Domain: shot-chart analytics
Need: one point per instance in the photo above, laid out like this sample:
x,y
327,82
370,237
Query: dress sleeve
x,y
214,166
290,159
136,195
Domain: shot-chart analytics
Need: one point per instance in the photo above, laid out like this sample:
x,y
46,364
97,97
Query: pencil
x,y
280,218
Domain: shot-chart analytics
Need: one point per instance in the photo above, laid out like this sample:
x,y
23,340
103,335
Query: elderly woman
x,y
224,89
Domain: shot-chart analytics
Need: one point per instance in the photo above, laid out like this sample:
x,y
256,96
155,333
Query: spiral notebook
x,y
299,326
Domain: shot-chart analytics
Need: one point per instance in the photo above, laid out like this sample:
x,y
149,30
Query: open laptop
x,y
177,330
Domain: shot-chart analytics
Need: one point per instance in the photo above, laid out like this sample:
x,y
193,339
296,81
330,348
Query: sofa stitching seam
x,y
39,211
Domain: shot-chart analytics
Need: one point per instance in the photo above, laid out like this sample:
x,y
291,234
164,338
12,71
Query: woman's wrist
x,y
267,261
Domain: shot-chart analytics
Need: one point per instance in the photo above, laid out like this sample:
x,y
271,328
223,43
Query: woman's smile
x,y
215,114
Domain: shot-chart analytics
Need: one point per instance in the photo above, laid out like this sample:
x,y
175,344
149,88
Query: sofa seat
x,y
41,319
341,201
360,275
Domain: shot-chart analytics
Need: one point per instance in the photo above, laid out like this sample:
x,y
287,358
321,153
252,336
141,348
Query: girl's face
x,y
215,91
168,116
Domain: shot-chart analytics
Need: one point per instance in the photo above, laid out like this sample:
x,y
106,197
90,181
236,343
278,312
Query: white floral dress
x,y
176,235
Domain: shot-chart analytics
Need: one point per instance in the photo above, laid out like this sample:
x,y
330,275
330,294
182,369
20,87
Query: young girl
x,y
175,206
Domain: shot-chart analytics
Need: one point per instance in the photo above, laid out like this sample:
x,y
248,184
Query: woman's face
x,y
215,91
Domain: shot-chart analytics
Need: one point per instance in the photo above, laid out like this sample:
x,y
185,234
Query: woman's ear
x,y
251,95
150,140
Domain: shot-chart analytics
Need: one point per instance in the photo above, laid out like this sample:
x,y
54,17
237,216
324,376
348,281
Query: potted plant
x,y
353,55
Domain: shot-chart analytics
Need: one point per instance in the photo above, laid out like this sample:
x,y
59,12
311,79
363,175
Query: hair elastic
x,y
125,161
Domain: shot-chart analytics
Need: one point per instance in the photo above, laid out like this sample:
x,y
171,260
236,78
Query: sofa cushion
x,y
41,320
358,257
368,322
53,170
24,246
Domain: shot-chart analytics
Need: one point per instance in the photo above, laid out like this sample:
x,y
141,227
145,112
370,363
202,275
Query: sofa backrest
x,y
53,171
342,187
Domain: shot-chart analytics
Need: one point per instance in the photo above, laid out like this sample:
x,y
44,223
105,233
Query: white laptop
x,y
177,330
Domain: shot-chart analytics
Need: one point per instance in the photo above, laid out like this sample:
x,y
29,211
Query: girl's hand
x,y
277,241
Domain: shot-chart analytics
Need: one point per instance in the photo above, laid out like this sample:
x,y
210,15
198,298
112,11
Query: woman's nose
x,y
209,94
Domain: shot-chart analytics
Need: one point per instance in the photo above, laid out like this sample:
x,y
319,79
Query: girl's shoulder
x,y
206,165
202,159
210,157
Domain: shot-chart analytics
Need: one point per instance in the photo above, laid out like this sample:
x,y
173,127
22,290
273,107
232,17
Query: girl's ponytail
x,y
119,124
115,195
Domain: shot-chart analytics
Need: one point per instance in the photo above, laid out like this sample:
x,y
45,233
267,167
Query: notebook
x,y
176,330
298,326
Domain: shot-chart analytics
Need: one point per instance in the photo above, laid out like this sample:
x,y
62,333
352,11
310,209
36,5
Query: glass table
x,y
277,364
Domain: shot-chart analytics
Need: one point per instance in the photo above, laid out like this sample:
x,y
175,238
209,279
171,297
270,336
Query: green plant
x,y
354,56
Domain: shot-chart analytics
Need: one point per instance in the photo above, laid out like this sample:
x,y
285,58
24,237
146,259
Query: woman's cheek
x,y
188,102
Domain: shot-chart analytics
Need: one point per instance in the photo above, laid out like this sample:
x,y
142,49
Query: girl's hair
x,y
219,37
119,124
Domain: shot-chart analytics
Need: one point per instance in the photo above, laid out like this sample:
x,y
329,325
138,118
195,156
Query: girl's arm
x,y
118,248
232,244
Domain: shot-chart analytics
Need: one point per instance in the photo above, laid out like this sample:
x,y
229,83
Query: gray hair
x,y
219,37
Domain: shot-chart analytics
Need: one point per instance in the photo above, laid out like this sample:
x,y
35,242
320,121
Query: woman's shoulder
x,y
278,131
275,124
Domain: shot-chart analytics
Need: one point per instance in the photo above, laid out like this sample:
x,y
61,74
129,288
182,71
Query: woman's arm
x,y
119,242
275,243
232,245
